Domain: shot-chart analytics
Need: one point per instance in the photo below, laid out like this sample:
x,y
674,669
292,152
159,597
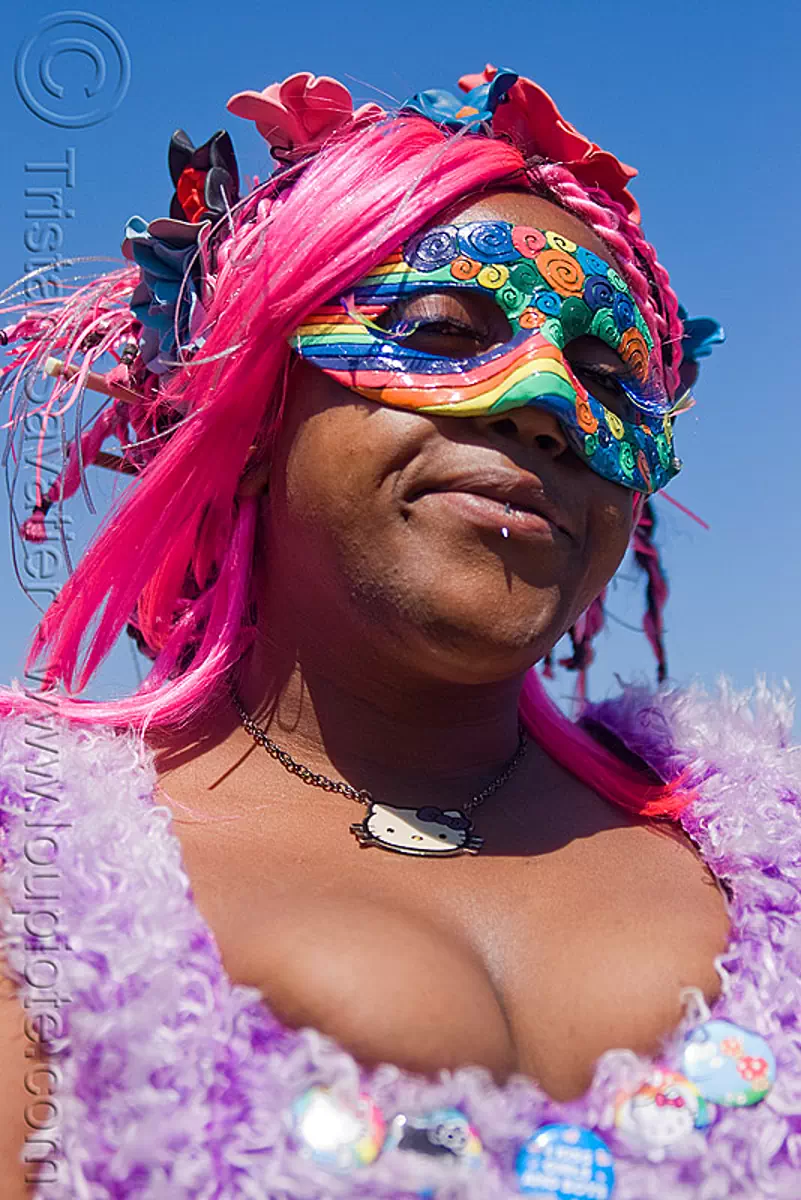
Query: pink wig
x,y
174,557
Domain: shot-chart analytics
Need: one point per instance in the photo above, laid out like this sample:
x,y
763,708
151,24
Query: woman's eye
x,y
604,385
442,336
604,375
447,324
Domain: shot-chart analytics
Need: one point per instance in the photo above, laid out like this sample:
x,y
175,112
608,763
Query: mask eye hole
x,y
603,373
448,324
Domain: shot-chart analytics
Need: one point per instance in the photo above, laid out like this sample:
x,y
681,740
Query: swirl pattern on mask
x,y
547,302
604,326
561,271
598,292
434,249
624,311
488,241
663,450
493,276
558,241
634,352
639,321
525,277
531,318
585,416
553,331
463,268
576,317
590,263
616,280
511,299
615,424
528,241
550,291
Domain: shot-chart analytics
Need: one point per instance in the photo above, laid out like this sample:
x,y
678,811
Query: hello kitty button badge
x,y
661,1115
428,831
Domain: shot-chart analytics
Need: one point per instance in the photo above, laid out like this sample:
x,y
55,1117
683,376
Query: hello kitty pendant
x,y
432,832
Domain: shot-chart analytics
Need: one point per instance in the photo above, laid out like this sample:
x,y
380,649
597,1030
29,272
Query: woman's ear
x,y
256,474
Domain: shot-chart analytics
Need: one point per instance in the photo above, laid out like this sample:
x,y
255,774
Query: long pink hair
x,y
175,554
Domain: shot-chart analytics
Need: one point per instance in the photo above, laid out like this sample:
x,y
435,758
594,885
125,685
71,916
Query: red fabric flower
x,y
297,116
531,118
190,190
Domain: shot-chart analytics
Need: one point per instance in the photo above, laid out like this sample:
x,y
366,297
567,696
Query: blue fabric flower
x,y
164,263
701,334
471,111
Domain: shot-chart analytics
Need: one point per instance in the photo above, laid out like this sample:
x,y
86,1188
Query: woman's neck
x,y
367,725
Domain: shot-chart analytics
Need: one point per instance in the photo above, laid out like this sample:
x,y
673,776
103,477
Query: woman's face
x,y
455,547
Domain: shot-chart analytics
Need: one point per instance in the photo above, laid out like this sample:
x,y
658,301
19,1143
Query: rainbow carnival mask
x,y
551,291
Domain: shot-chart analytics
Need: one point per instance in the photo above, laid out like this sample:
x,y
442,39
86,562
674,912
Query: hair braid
x,y
647,278
650,285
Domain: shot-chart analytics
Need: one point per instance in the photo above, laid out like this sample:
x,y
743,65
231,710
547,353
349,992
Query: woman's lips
x,y
499,498
496,514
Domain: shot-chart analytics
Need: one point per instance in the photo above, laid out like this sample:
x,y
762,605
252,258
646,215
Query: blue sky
x,y
701,97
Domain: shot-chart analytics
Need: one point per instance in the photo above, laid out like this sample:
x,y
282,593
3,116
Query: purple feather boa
x,y
177,1083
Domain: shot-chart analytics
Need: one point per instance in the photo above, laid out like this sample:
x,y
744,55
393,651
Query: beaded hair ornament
x,y
152,330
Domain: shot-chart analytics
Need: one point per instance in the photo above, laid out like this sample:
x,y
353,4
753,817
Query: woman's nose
x,y
528,426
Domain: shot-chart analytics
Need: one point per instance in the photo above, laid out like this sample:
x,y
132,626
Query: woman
x,y
391,442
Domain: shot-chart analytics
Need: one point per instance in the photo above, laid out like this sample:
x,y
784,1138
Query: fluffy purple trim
x,y
178,1083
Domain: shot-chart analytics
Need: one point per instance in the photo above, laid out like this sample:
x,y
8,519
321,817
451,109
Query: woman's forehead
x,y
522,208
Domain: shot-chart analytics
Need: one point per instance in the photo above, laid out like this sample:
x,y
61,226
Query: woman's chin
x,y
457,646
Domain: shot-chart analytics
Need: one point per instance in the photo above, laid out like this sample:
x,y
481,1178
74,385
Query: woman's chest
x,y
533,964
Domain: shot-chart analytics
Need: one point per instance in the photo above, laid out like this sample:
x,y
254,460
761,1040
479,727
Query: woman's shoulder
x,y
699,733
50,764
733,750
33,730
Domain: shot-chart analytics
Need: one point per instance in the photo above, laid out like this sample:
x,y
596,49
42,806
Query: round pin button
x,y
441,1136
444,1133
728,1064
568,1162
662,1113
337,1135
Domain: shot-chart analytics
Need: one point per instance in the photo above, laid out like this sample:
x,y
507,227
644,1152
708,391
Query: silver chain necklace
x,y
428,831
